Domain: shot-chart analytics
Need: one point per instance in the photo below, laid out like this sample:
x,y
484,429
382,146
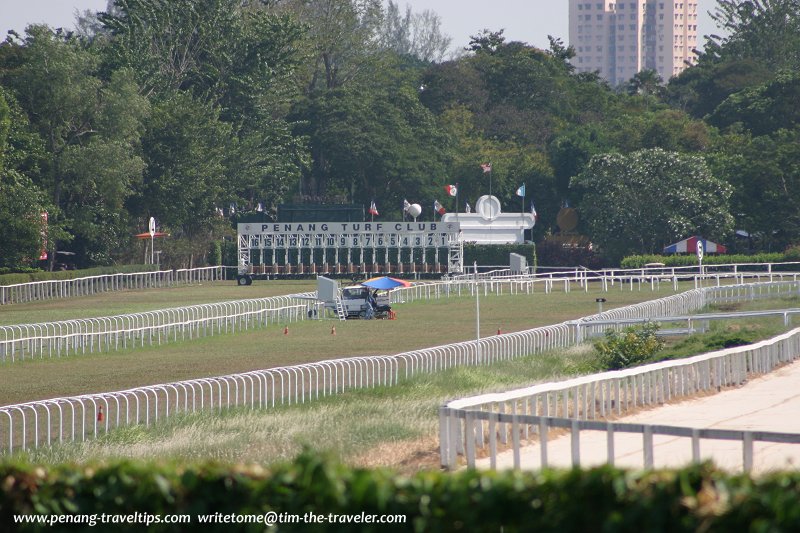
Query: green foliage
x,y
763,109
497,254
638,261
215,253
646,200
28,275
174,109
630,347
696,498
724,335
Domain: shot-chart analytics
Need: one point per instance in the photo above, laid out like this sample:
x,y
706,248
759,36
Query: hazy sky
x,y
529,21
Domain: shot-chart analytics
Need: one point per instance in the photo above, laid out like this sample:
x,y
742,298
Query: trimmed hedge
x,y
41,275
638,261
698,498
497,254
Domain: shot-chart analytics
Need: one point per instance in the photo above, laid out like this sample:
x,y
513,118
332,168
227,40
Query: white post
x,y
477,313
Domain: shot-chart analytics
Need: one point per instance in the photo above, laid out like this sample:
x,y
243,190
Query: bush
x,y
215,253
497,254
630,347
638,261
41,275
696,498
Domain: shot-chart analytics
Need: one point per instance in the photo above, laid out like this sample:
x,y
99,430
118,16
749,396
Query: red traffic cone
x,y
100,415
333,330
499,332
286,330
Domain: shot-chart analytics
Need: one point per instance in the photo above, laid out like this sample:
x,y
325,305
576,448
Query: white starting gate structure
x,y
277,244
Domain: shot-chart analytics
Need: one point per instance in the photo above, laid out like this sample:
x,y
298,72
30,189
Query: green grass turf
x,y
420,324
394,426
134,301
389,426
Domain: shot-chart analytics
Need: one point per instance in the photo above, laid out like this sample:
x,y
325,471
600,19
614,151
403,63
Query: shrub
x,y
40,275
638,261
695,498
630,347
497,254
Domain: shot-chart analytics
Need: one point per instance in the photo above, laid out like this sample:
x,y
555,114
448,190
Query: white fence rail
x,y
622,278
513,417
77,418
104,334
57,339
86,286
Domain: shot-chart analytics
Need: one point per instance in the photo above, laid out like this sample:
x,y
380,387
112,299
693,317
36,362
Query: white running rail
x,y
76,418
88,285
512,418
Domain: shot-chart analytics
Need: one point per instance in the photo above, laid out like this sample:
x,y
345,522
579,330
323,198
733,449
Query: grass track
x,y
382,426
420,324
386,426
134,301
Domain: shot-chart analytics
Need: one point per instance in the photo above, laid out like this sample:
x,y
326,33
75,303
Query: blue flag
x,y
521,190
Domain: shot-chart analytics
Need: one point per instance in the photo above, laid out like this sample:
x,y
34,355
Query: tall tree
x,y
640,202
341,40
764,173
234,60
21,201
415,34
90,129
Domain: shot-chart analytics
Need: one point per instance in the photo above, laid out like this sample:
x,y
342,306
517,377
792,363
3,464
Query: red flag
x,y
373,209
487,167
438,207
452,190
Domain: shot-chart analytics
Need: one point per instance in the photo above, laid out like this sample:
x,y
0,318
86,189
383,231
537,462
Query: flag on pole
x,y
438,207
487,167
468,208
452,190
534,213
406,206
373,209
521,190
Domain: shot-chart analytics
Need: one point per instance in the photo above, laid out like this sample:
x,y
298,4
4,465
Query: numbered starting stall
x,y
289,248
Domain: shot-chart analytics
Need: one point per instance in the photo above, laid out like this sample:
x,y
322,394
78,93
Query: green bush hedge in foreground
x,y
697,498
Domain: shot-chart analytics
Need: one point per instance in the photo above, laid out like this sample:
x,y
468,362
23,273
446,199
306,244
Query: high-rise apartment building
x,y
620,38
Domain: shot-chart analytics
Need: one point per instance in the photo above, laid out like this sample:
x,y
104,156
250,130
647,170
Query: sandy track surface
x,y
767,403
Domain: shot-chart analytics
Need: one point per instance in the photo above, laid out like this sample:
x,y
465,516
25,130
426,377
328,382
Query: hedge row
x,y
41,275
497,254
638,261
698,498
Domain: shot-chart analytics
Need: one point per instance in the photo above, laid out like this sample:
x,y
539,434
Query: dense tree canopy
x,y
643,201
197,112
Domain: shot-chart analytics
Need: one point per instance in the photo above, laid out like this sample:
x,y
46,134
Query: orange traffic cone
x,y
333,330
286,330
100,415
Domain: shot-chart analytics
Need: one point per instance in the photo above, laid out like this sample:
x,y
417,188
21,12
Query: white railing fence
x,y
77,418
151,328
57,339
471,424
86,286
